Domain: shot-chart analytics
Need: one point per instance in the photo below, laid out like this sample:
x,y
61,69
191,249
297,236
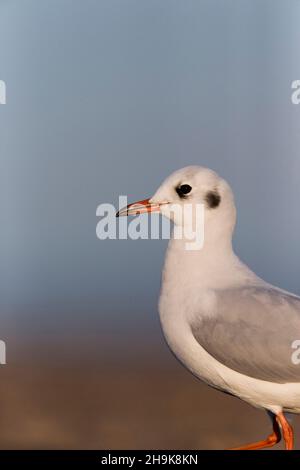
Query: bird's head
x,y
189,187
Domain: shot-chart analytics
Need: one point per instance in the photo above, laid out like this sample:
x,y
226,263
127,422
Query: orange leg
x,y
271,440
287,431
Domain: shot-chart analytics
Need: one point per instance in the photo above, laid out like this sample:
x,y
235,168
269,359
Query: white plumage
x,y
226,325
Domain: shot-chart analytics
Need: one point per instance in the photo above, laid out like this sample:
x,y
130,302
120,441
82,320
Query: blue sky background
x,y
108,97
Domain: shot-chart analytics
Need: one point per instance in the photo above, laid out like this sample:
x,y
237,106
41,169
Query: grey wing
x,y
253,331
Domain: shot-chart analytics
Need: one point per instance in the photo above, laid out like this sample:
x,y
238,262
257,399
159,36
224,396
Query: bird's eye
x,y
183,190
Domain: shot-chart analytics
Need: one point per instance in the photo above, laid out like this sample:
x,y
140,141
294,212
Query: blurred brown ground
x,y
81,394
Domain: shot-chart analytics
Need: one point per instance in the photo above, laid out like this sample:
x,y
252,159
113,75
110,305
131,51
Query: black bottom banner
x,y
137,459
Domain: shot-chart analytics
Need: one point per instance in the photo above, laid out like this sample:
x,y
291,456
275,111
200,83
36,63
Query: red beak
x,y
139,207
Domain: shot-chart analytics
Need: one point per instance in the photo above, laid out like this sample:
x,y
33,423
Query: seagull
x,y
226,325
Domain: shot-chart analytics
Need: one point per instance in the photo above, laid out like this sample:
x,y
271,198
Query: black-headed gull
x,y
230,328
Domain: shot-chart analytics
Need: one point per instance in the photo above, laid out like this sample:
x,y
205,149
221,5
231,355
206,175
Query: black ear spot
x,y
212,199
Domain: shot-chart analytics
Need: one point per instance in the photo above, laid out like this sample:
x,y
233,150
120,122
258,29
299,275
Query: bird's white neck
x,y
214,266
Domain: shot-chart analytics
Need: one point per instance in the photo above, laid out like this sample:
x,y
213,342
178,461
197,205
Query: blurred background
x,y
106,98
